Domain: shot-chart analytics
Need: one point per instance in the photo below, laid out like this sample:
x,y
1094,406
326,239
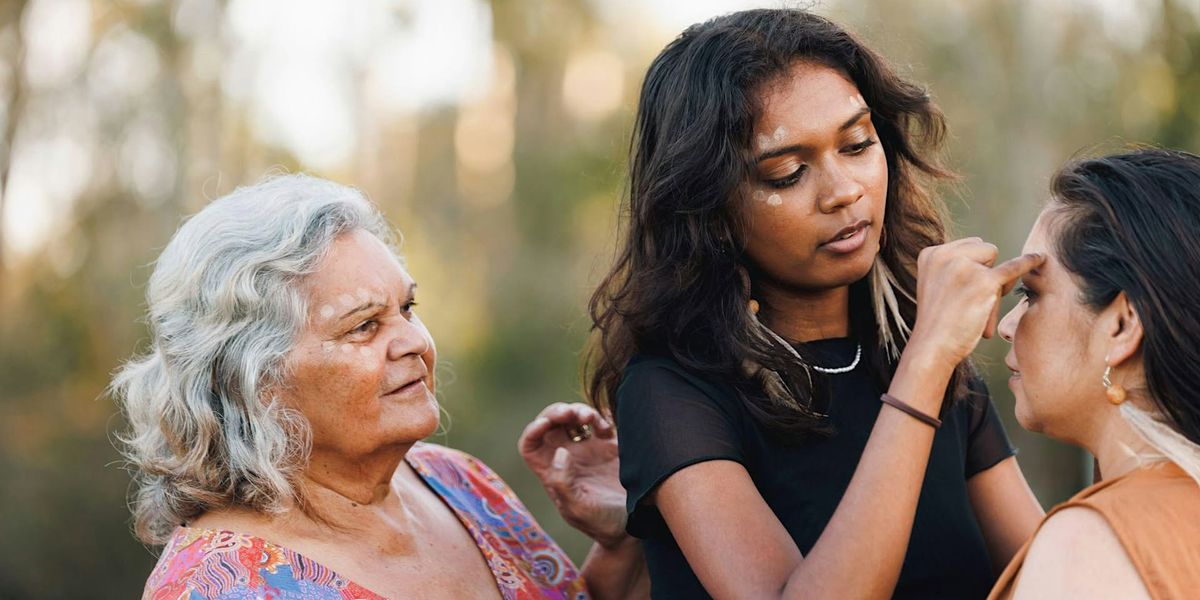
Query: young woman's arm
x,y
732,539
1007,511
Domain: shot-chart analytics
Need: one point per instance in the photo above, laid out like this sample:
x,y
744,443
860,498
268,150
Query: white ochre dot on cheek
x,y
328,347
366,352
347,348
774,200
759,196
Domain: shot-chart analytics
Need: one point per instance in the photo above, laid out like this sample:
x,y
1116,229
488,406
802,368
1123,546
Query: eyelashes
x,y
794,177
1024,293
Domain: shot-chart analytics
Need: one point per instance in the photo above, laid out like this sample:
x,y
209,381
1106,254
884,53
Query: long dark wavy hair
x,y
1130,223
677,286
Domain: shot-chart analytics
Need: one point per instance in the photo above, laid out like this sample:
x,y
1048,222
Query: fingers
x,y
1008,273
557,480
1014,268
992,319
566,416
978,250
534,435
576,414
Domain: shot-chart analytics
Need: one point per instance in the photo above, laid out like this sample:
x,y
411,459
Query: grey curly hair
x,y
224,310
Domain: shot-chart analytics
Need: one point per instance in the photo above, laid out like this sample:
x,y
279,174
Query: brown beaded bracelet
x,y
904,407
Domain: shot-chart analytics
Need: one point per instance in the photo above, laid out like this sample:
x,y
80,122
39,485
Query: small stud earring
x,y
1115,392
753,304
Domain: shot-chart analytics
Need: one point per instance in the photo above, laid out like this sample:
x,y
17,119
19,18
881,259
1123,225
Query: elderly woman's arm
x,y
573,451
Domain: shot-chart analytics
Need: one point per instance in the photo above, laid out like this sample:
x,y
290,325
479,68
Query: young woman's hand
x,y
572,449
958,296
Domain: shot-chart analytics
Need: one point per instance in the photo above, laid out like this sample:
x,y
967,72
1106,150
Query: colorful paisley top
x,y
210,564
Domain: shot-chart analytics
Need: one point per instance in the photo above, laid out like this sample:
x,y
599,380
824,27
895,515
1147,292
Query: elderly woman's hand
x,y
573,451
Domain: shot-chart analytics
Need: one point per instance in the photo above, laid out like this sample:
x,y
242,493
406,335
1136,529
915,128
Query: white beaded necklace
x,y
830,371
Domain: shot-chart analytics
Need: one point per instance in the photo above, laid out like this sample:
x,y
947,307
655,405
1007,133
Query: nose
x,y
409,338
1008,325
840,188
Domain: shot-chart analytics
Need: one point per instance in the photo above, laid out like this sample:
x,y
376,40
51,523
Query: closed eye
x,y
789,180
860,147
1025,293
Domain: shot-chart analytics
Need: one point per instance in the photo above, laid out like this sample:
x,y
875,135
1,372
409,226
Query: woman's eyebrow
x,y
847,124
371,304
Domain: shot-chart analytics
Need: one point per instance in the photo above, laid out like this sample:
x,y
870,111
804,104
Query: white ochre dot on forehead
x,y
327,311
363,294
346,300
779,133
774,200
763,141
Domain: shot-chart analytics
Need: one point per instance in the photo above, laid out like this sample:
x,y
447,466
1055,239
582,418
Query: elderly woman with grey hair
x,y
276,424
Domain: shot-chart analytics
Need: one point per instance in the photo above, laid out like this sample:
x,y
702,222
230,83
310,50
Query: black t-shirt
x,y
670,419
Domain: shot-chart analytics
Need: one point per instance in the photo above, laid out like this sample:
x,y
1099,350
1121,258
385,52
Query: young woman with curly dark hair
x,y
766,295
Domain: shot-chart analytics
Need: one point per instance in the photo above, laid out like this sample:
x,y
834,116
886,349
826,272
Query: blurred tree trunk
x,y
10,18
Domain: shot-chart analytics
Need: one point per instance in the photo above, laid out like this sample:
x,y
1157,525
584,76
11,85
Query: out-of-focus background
x,y
493,134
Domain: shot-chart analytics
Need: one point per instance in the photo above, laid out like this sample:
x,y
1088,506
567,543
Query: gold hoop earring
x,y
1115,392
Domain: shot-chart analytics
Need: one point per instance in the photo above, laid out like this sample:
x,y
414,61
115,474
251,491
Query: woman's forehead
x,y
359,263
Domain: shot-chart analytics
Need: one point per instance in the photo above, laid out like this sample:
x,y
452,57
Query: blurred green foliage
x,y
506,244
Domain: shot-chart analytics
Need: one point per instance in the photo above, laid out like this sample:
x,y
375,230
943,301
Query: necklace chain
x,y
827,370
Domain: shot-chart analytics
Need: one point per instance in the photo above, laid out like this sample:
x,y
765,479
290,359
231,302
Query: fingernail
x,y
560,458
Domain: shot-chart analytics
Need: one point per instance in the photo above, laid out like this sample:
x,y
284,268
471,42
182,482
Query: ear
x,y
1123,330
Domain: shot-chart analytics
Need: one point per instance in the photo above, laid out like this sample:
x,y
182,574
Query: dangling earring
x,y
1114,391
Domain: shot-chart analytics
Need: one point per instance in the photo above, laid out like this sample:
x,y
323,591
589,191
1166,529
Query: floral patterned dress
x,y
224,565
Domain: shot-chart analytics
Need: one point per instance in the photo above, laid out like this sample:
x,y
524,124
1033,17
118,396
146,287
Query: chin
x,y
1026,417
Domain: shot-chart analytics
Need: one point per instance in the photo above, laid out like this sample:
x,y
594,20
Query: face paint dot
x,y
346,348
327,347
779,133
759,196
763,141
327,312
346,300
365,351
774,200
363,294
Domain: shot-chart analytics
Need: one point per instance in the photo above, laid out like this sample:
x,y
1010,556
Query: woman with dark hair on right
x,y
764,298
1105,356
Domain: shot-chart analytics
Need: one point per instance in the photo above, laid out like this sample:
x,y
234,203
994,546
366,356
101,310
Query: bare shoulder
x,y
1076,554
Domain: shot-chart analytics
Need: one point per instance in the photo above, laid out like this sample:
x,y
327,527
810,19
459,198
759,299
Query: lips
x,y
848,231
1011,367
406,386
848,239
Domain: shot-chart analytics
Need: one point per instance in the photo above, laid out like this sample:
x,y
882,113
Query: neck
x,y
337,485
804,316
1118,448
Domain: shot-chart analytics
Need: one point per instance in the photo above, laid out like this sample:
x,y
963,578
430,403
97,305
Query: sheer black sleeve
x,y
668,419
987,443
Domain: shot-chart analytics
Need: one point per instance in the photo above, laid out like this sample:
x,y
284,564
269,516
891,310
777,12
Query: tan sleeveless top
x,y
1155,512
